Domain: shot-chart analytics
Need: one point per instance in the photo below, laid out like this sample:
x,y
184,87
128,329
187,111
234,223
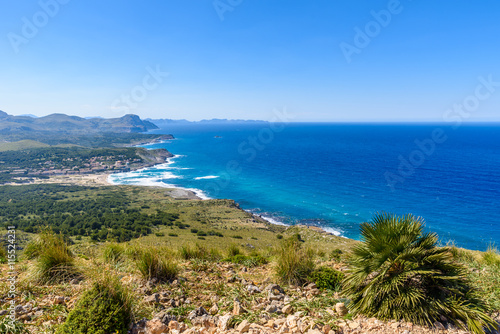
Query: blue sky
x,y
246,58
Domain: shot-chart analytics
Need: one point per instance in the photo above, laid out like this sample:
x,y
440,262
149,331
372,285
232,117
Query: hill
x,y
73,124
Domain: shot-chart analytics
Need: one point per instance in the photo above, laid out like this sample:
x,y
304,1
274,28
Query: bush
x,y
160,234
187,252
173,235
336,254
3,255
153,264
293,263
16,327
327,278
105,308
398,272
491,257
247,261
113,252
237,237
233,250
279,236
55,262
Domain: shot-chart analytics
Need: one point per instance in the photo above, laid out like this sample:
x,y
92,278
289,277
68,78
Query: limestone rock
x,y
341,309
238,309
275,289
200,311
214,310
153,299
223,323
252,289
287,309
155,326
243,327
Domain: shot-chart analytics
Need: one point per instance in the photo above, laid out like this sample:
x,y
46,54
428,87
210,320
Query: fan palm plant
x,y
398,272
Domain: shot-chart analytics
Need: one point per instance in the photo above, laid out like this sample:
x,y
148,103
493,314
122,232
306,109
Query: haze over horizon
x,y
385,61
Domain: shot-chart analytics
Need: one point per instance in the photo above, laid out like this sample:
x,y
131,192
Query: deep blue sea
x,y
338,175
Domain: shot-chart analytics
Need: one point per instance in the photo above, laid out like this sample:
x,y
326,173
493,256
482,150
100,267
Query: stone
x,y
272,297
214,310
59,300
165,317
291,321
287,309
3,312
311,286
243,327
24,317
354,325
173,325
205,321
252,289
271,309
224,321
238,309
341,309
314,292
153,299
200,311
155,326
314,331
275,289
439,326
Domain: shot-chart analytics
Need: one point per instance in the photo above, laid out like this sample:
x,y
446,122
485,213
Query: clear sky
x,y
324,60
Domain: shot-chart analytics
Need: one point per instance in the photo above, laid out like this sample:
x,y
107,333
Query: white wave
x,y
206,177
331,230
268,219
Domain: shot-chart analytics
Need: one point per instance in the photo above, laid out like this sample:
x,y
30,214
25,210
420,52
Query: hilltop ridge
x,y
73,124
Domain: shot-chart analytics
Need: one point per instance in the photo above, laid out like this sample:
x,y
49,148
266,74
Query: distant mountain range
x,y
166,121
73,124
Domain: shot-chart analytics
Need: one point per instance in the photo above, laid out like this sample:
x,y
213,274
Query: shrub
x,y
237,237
153,264
113,252
3,254
160,234
247,261
55,262
194,230
491,257
327,278
293,263
233,250
187,252
398,272
16,327
335,254
173,235
279,236
105,308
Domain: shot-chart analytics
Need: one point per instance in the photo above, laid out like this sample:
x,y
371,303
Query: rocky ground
x,y
210,298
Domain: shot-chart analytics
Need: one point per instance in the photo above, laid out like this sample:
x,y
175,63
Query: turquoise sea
x,y
338,175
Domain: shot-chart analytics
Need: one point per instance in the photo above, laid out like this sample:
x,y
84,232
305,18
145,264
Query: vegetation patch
x,y
327,278
294,263
153,263
105,308
398,272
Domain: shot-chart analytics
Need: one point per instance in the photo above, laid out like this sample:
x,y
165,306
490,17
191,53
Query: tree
x,y
398,272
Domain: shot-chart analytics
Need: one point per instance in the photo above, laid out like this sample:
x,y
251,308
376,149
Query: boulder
x,y
243,327
341,309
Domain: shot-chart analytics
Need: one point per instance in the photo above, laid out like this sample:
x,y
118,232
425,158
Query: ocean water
x,y
337,176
